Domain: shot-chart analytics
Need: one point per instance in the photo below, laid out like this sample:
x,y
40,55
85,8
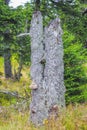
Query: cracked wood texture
x,y
47,69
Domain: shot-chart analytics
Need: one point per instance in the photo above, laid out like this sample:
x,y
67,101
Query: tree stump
x,y
47,68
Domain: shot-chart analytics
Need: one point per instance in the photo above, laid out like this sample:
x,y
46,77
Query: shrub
x,y
75,69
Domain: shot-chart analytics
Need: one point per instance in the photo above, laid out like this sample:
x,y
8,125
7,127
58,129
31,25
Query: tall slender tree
x,y
7,53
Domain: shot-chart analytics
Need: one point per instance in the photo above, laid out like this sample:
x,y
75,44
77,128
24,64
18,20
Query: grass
x,y
22,87
11,85
73,118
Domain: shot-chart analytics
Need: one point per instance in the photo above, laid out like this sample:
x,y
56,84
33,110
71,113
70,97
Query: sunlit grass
x,y
20,87
73,118
10,84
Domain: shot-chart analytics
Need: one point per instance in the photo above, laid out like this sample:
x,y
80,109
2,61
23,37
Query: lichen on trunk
x,y
46,69
37,107
54,67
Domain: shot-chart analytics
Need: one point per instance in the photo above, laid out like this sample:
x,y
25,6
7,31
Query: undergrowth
x,y
14,111
73,118
20,88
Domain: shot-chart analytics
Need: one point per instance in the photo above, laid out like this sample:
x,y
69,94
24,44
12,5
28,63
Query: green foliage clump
x,y
6,100
75,69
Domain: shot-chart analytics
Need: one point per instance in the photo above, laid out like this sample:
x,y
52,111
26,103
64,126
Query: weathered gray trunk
x,y
54,67
7,64
46,68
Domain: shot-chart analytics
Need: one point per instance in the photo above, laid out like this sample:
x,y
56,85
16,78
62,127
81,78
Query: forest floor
x,y
14,109
73,118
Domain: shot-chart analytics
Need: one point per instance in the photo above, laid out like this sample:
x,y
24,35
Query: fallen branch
x,y
23,34
14,94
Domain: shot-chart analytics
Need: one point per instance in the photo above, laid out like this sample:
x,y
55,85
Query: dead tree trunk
x,y
46,68
54,67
